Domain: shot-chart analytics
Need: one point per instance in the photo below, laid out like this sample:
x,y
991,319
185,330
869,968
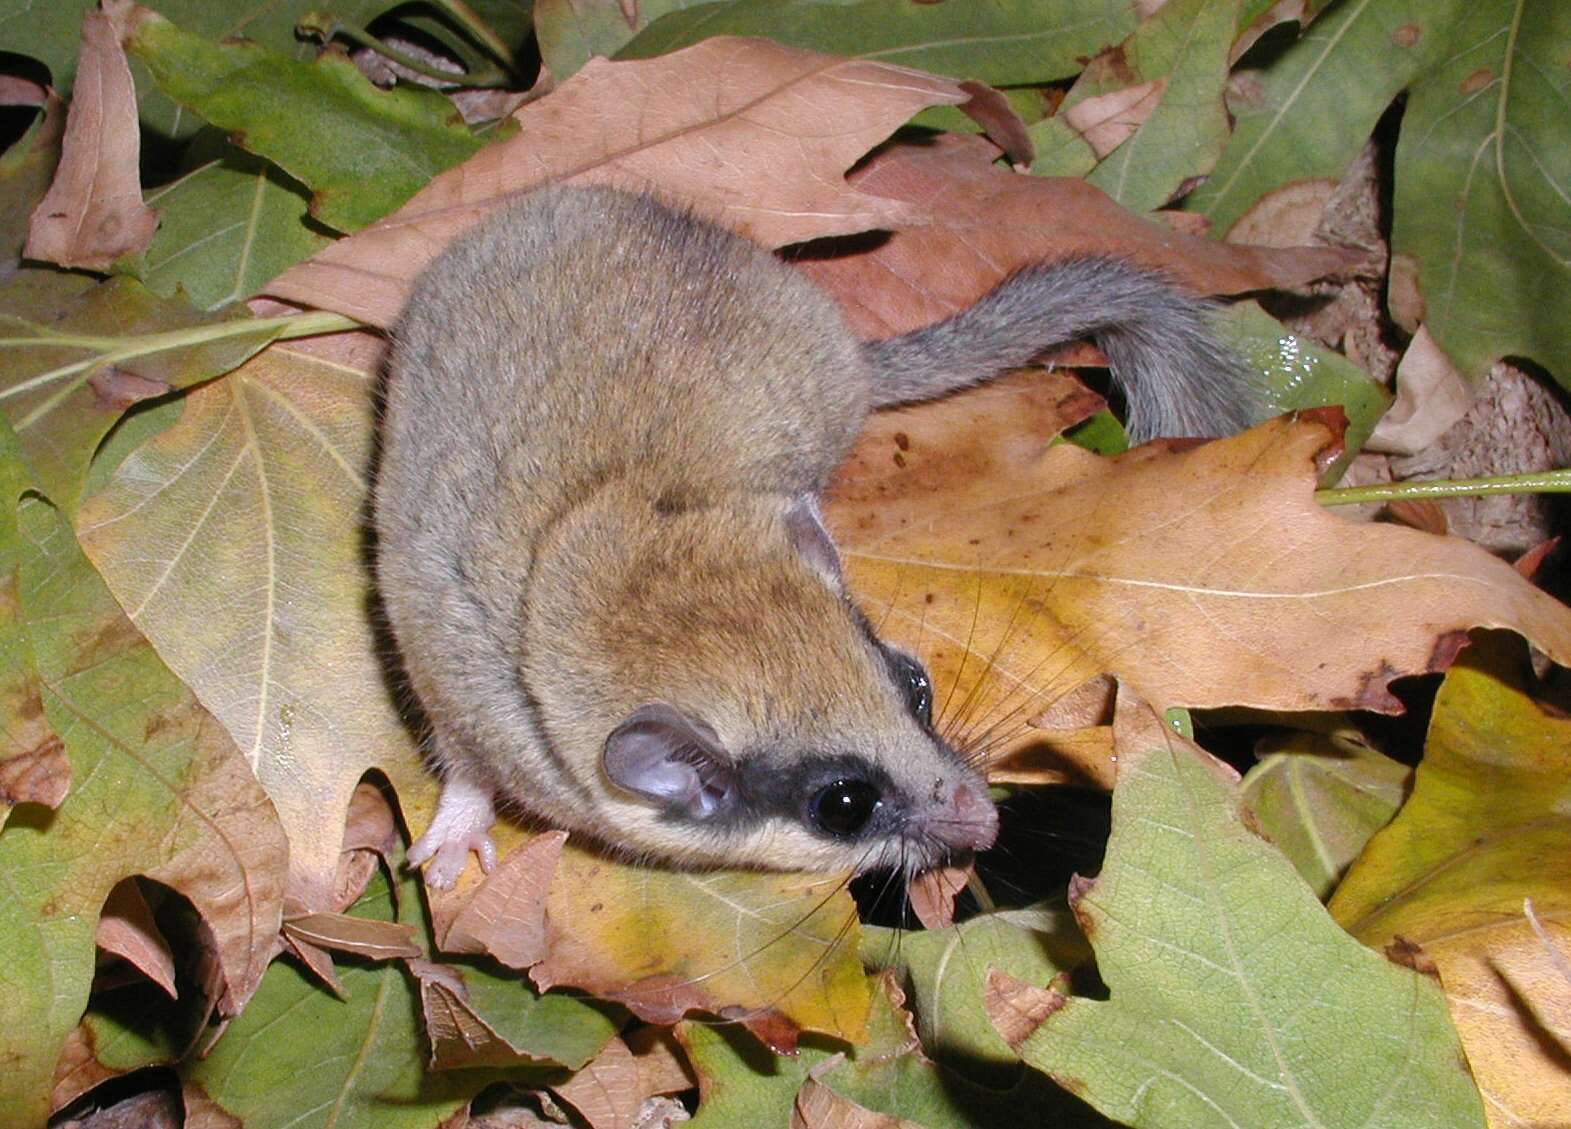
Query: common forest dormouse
x,y
607,427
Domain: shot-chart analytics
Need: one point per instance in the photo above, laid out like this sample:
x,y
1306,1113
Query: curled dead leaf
x,y
458,1035
819,1107
613,1091
361,936
126,928
932,894
505,914
1106,121
93,212
1016,1008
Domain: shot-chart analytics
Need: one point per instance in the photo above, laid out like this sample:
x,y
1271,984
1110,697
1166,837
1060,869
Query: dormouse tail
x,y
1177,378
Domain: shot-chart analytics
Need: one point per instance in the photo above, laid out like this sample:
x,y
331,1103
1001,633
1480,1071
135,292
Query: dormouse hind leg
x,y
464,816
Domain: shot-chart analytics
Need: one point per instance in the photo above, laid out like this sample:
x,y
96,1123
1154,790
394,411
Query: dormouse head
x,y
766,724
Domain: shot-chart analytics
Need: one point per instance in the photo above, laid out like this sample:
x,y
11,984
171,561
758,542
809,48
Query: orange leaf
x,y
1202,577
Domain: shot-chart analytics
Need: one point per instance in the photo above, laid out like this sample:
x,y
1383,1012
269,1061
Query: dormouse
x,y
607,426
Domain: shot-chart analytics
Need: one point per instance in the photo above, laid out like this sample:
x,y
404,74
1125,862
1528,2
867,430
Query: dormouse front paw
x,y
462,824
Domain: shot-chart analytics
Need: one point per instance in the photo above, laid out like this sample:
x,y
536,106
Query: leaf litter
x,y
225,520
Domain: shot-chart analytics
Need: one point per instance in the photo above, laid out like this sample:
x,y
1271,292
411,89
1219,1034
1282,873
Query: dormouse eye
x,y
844,807
916,686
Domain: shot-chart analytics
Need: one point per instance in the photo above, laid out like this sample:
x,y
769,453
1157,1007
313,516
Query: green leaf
x,y
1004,42
1234,999
571,32
1319,798
301,1057
946,972
227,228
1060,149
48,30
567,1029
1487,827
361,150
741,1084
1029,104
128,1028
1307,115
1297,373
1483,180
251,505
157,789
77,353
32,758
26,170
510,21
1185,45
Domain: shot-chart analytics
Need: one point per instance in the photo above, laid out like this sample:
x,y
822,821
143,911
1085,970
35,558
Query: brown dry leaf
x,y
1081,758
819,1107
932,894
1202,576
317,960
78,1068
33,766
1108,120
1431,396
611,1091
201,1112
992,111
126,928
733,127
374,940
662,1063
93,212
1016,1008
460,1037
18,91
1285,217
505,915
370,837
988,221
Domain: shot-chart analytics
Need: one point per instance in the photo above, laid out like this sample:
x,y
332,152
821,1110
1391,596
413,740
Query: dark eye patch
x,y
834,795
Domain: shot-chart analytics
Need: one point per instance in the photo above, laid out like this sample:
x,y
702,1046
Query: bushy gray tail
x,y
1177,378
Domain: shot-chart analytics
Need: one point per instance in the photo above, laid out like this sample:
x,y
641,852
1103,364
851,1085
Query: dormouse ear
x,y
663,755
805,526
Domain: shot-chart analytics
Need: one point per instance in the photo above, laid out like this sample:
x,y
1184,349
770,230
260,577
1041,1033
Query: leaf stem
x,y
470,21
978,891
1540,482
327,28
113,350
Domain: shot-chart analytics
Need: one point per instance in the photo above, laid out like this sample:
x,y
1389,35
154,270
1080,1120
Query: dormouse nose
x,y
968,821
